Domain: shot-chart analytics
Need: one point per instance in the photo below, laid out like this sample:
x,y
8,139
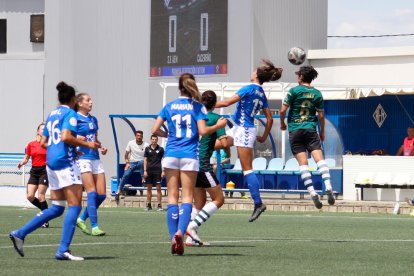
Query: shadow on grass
x,y
214,255
226,246
100,258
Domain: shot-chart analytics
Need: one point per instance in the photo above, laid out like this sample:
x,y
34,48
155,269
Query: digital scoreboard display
x,y
188,36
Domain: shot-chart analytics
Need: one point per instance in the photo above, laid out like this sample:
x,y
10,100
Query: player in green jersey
x,y
206,179
304,101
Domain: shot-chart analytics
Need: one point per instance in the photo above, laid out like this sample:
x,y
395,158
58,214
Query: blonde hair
x,y
188,86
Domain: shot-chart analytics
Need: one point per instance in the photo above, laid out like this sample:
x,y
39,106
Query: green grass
x,y
137,243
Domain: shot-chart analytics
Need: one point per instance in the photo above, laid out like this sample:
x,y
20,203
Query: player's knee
x,y
30,197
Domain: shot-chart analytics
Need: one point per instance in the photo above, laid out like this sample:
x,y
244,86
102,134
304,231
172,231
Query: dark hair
x,y
65,92
42,124
268,72
79,98
308,73
139,131
209,99
154,136
188,86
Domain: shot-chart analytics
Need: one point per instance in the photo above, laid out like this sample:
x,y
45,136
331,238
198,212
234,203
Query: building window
x,y
3,36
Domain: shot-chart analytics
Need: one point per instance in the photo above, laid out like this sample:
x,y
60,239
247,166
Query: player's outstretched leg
x,y
36,222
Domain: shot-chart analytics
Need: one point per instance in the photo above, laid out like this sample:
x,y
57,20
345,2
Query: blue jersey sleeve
x,y
201,113
243,91
96,122
70,122
163,113
265,103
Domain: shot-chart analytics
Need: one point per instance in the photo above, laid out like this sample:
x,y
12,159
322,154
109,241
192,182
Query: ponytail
x,y
188,86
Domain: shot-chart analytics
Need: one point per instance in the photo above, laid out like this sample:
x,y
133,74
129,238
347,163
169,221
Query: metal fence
x,y
9,173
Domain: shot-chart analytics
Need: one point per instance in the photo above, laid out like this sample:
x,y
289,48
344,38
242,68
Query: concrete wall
x,y
281,25
21,76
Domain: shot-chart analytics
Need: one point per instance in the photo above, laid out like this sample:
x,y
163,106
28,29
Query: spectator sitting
x,y
134,159
407,148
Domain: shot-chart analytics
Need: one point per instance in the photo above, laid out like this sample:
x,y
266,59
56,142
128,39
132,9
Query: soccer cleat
x,y
148,208
97,232
179,244
189,242
159,208
331,197
317,201
192,233
82,226
173,246
67,256
17,243
45,225
258,210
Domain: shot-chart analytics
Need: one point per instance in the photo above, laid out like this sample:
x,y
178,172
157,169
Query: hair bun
x,y
61,86
277,74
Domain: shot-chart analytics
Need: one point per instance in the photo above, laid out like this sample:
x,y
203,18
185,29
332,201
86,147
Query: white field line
x,y
218,242
306,215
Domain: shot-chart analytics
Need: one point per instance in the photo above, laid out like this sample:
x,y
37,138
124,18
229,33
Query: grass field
x,y
277,244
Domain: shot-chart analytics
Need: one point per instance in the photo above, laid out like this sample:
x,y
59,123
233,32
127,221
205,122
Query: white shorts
x,y
183,164
243,136
93,166
60,179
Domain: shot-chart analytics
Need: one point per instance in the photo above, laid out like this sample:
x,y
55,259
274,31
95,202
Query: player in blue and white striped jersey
x,y
59,136
186,119
250,100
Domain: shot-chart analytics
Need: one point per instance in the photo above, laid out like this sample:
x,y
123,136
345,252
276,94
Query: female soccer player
x,y
65,183
38,176
206,178
186,121
92,171
250,100
304,101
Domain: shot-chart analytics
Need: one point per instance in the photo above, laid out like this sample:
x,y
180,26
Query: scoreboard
x,y
188,36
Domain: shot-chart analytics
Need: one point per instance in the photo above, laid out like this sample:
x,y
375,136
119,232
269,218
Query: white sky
x,y
370,17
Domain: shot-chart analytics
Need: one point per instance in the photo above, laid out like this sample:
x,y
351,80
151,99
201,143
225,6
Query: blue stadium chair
x,y
288,179
258,165
270,174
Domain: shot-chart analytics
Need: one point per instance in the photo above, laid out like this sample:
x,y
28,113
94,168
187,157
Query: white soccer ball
x,y
296,55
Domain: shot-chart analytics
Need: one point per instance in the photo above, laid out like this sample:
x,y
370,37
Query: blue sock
x,y
43,216
172,219
253,184
91,208
69,225
184,217
99,199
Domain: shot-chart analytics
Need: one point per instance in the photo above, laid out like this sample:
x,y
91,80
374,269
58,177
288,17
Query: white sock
x,y
208,210
326,176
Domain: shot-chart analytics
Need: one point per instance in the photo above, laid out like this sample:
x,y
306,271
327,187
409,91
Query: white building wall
x,y
364,67
21,76
280,25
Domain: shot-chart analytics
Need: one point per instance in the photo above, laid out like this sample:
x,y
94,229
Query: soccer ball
x,y
296,55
